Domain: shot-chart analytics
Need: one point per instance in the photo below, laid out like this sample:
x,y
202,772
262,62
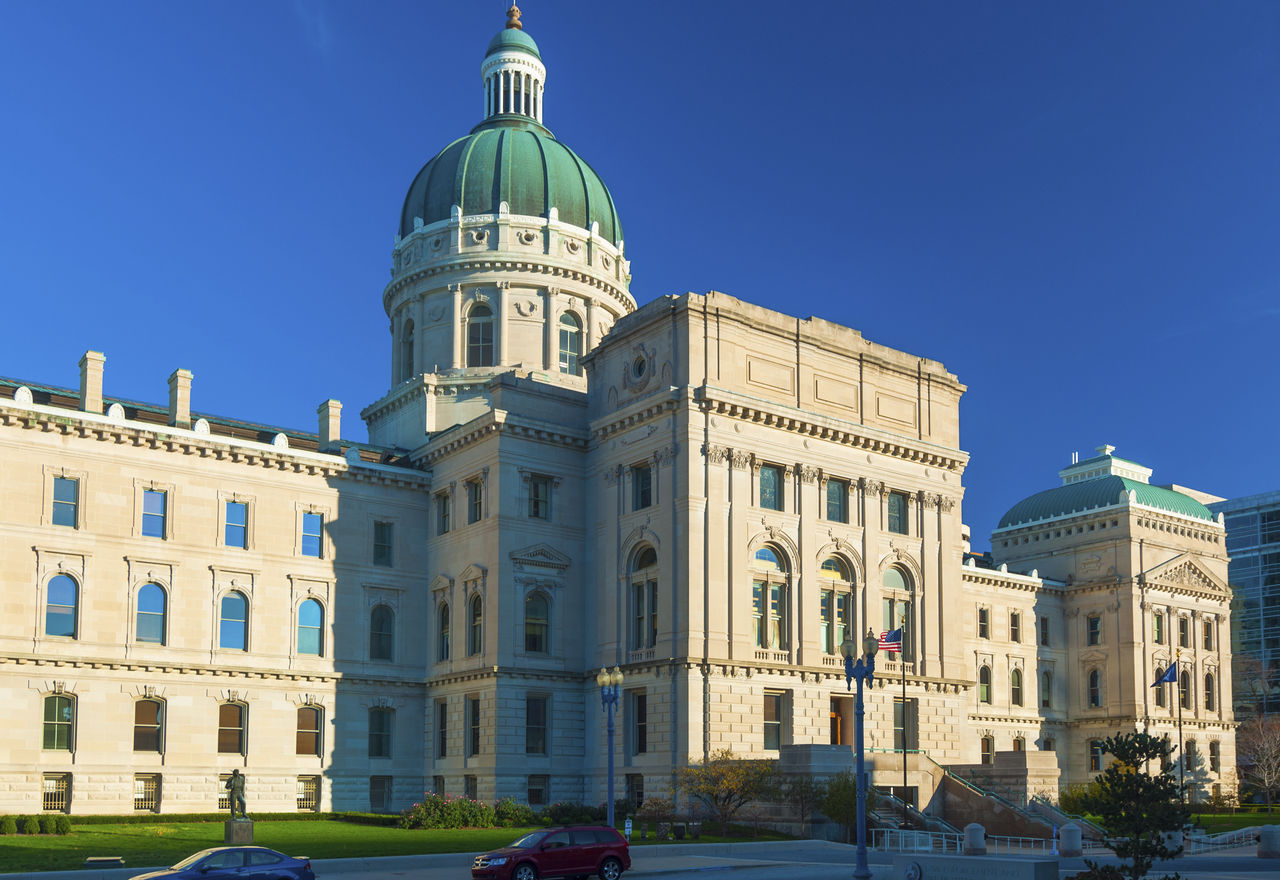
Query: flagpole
x,y
903,624
1182,757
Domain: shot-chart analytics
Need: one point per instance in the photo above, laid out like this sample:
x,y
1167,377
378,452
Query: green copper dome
x,y
512,38
514,161
1096,493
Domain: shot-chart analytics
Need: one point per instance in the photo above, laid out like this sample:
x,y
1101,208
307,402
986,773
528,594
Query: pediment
x,y
473,572
1188,573
441,582
540,556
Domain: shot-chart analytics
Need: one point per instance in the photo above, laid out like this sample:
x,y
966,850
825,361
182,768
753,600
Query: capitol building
x,y
708,494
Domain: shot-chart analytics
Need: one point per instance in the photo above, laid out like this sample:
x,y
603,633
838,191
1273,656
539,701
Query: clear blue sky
x,y
1074,206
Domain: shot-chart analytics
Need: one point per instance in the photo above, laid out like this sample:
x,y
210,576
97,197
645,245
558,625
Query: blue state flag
x,y
1169,676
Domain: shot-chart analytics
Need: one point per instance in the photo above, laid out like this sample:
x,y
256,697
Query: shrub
x,y
47,824
1073,799
8,825
574,813
448,811
29,825
508,812
655,809
62,825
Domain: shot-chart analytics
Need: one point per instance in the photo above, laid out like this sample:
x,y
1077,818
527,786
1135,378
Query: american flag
x,y
891,640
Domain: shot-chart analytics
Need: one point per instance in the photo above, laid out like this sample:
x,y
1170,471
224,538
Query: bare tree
x,y
1257,685
1258,754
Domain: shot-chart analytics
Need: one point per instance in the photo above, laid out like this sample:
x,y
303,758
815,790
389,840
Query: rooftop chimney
x,y
91,381
330,413
180,399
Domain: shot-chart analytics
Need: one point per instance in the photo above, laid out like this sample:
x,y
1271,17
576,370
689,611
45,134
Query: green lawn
x,y
1213,823
144,846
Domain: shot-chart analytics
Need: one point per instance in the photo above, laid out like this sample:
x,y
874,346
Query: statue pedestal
x,y
238,832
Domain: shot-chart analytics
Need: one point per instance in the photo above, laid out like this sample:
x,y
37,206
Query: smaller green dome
x,y
515,39
1097,493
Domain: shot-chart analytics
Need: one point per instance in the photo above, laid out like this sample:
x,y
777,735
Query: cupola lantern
x,y
513,73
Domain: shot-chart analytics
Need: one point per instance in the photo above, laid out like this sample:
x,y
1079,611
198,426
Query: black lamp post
x,y
610,685
861,669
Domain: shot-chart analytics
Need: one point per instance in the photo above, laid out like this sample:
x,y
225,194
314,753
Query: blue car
x,y
239,862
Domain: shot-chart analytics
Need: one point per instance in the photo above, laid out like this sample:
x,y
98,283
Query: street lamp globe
x,y
870,644
615,677
603,678
847,648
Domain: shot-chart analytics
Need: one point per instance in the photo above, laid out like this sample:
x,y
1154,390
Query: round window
x,y
638,367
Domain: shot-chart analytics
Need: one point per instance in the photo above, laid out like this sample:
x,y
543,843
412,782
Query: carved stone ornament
x,y
526,308
930,502
664,455
873,487
612,475
437,242
637,372
605,261
946,502
479,236
715,454
739,460
435,314
503,285
572,246
808,473
526,236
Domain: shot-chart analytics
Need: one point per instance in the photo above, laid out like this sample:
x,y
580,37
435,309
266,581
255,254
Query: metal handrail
x,y
1058,813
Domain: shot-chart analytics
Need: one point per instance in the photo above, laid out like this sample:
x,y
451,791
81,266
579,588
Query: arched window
x,y
151,614
311,628
59,722
1015,687
308,737
442,632
480,337
570,344
1046,689
1215,755
643,633
475,641
537,624
231,737
1095,688
896,606
382,624
771,597
984,684
406,351
60,607
836,604
233,628
1209,692
148,726
1019,744
1160,697
1184,689
988,750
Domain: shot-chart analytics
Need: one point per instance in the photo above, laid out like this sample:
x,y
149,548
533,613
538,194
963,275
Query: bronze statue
x,y
235,785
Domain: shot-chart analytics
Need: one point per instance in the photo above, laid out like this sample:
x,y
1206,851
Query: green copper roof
x,y
511,38
514,161
1101,492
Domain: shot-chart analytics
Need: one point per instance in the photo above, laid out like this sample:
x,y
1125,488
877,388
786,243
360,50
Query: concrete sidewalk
x,y
645,860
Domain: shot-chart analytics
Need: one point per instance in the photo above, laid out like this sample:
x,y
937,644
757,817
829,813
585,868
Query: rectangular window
x,y
379,794
59,723
475,501
897,613
641,486
235,532
380,732
470,787
540,498
826,627
442,513
984,623
473,726
535,725
66,501
1015,627
224,796
153,513
537,790
1184,632
1047,744
442,729
904,725
1095,756
1093,629
898,513
312,533
383,535
757,612
1208,635
1157,628
773,714
308,794
56,793
844,614
231,729
146,792
771,487
838,501
635,789
639,722
1044,630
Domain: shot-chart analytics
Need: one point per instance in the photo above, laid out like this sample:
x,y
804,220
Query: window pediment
x,y
542,557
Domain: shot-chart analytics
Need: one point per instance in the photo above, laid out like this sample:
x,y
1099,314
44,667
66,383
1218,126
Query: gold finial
x,y
513,18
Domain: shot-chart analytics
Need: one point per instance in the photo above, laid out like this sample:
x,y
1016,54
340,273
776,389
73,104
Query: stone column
x,y
549,352
458,341
504,297
1069,841
589,332
975,840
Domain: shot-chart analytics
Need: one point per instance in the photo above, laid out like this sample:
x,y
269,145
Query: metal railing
x,y
902,840
1215,842
1040,804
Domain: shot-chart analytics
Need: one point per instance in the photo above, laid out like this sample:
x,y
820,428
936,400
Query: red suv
x,y
557,852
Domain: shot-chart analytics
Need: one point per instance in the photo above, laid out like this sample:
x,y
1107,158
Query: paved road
x,y
791,860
